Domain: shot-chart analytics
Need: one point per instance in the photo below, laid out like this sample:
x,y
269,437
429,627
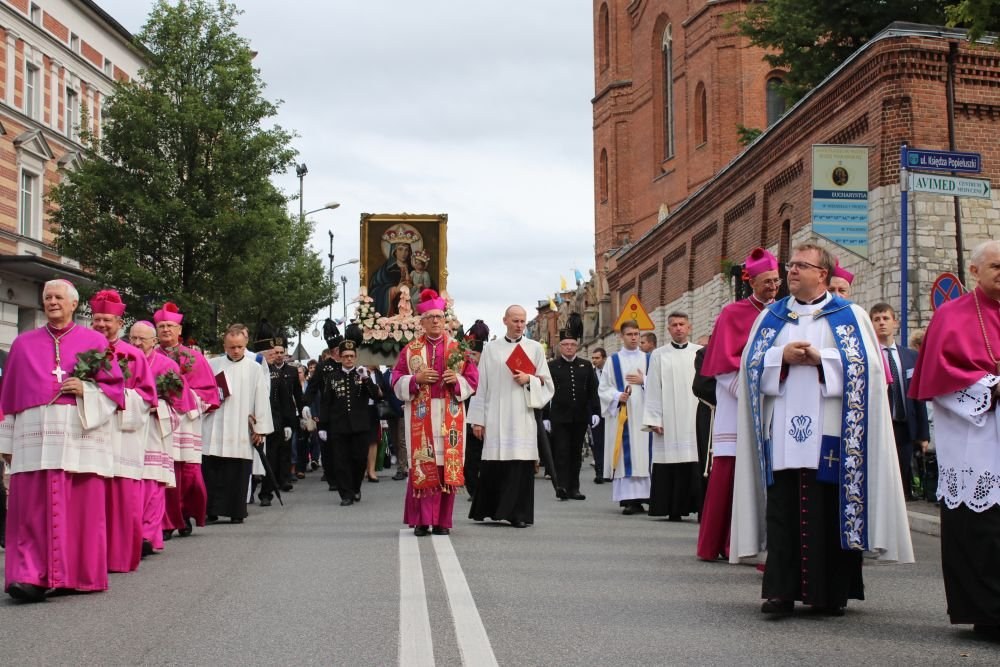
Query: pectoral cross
x,y
831,459
59,373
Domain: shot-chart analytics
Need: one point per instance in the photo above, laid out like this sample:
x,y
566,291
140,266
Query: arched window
x,y
701,110
604,38
775,102
602,175
667,49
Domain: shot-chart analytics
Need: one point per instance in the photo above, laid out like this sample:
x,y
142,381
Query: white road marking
x,y
473,642
416,649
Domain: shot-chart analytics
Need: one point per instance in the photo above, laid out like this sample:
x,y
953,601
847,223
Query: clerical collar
x,y
515,340
61,330
817,300
678,346
236,361
433,340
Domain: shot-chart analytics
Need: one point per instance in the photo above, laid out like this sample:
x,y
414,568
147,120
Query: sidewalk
x,y
925,517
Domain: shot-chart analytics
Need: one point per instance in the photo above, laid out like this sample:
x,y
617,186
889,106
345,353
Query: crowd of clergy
x,y
789,432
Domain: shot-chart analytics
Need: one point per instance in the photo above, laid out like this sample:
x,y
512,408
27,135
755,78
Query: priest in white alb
x,y
628,449
669,412
815,447
514,382
231,433
56,440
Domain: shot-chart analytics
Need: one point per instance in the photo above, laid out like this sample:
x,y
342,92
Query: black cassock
x,y
704,389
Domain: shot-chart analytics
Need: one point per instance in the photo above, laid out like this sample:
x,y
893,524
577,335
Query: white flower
x,y
397,335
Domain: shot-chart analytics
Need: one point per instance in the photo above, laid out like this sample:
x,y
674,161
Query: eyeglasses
x,y
802,266
772,282
432,317
135,338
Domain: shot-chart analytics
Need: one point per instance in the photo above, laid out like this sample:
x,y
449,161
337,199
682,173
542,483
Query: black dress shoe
x,y
357,497
168,535
286,487
598,480
235,520
777,607
633,508
577,496
833,610
265,502
345,502
26,592
438,530
187,529
519,524
561,494
420,531
147,548
313,465
334,488
400,475
373,480
211,518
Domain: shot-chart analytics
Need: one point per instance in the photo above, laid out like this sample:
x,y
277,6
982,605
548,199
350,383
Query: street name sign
x,y
919,158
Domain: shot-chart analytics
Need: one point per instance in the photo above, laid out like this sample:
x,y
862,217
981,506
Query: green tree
x,y
810,38
979,16
174,200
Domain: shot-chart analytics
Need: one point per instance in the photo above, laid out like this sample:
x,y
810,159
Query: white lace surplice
x,y
967,434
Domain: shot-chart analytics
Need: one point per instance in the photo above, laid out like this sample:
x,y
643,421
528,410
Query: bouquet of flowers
x,y
390,334
123,364
169,385
457,357
183,358
89,364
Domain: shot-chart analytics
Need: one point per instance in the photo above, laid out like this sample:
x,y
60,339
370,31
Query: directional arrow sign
x,y
955,186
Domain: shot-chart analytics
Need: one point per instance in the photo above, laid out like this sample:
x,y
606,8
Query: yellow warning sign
x,y
633,310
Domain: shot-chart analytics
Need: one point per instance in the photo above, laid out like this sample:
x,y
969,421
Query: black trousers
x,y
279,455
350,459
904,450
329,467
970,548
597,448
567,450
473,460
226,483
804,558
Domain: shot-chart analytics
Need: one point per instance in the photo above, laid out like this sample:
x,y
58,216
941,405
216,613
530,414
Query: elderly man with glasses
x,y
815,447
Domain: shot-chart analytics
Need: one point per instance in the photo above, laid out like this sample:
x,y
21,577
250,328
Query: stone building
x,y
59,62
668,227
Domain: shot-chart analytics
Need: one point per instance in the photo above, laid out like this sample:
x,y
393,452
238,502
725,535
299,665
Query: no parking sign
x,y
946,288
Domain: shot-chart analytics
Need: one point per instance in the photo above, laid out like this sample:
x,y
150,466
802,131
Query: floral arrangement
x,y
169,385
390,334
89,364
123,364
183,358
458,356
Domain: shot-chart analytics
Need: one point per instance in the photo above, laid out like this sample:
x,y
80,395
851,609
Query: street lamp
x,y
342,278
343,295
329,206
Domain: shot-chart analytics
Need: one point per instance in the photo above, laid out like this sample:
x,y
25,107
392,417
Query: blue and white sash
x,y
842,459
626,440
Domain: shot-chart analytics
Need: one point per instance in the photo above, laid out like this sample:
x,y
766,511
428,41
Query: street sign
x,y
956,186
918,158
840,195
946,288
633,310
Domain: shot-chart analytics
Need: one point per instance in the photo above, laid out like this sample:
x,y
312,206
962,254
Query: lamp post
x,y
343,280
343,295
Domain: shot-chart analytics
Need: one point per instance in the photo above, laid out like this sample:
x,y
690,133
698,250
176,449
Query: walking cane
x,y
711,440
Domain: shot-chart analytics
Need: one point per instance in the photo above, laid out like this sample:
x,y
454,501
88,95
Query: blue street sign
x,y
919,158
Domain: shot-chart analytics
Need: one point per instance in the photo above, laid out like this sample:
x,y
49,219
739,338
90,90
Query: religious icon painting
x,y
402,251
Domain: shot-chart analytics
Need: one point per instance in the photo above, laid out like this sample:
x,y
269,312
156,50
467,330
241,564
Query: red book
x,y
220,380
518,361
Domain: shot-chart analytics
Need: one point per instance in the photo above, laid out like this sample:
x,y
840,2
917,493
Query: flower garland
x,y
390,334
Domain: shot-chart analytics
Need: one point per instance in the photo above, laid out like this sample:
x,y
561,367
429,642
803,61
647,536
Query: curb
x,y
927,524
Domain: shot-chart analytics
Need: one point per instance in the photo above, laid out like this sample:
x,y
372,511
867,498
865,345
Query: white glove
x,y
548,425
307,413
322,436
288,433
594,421
362,372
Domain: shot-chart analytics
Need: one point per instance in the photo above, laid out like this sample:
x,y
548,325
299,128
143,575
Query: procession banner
x,y
840,195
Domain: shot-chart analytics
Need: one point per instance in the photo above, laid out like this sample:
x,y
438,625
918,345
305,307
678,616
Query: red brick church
x,y
678,199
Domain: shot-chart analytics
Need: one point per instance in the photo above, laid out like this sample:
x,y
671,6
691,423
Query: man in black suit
x,y
598,357
574,407
909,416
345,420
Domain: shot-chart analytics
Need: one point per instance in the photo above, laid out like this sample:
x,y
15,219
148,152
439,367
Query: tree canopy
x,y
173,201
810,38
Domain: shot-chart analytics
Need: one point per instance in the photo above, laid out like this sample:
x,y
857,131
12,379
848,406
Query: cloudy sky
x,y
477,109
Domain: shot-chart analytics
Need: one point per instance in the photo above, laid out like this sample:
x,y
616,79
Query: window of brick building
x,y
604,38
701,109
602,171
109,68
29,202
775,102
667,49
72,114
35,12
31,80
74,43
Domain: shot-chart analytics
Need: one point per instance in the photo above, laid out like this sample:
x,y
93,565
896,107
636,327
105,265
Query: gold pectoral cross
x,y
831,459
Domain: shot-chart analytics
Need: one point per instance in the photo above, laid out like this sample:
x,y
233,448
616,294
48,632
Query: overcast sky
x,y
477,109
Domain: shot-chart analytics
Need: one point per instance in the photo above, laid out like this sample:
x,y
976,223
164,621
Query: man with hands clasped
x,y
345,421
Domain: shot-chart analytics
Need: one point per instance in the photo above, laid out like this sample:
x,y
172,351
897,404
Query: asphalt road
x,y
314,583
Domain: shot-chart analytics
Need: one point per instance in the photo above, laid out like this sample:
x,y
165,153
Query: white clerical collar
x,y
515,340
678,346
810,308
